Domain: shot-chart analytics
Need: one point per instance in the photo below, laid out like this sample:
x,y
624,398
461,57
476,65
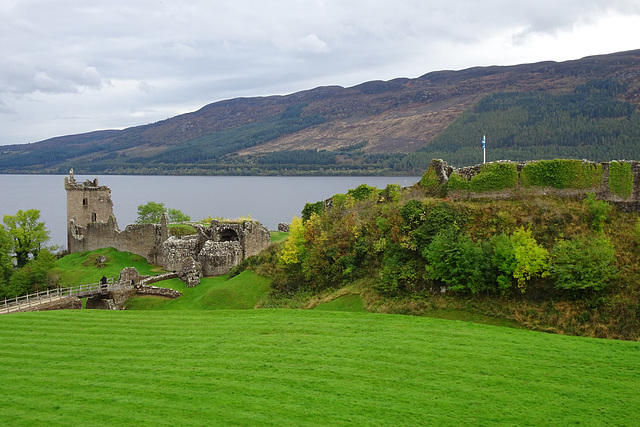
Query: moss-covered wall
x,y
612,181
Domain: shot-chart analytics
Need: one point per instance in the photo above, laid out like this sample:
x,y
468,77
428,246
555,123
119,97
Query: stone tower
x,y
86,203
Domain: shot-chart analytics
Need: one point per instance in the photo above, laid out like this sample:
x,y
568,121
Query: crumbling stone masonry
x,y
217,248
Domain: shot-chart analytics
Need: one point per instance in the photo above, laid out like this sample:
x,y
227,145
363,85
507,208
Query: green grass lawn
x,y
350,302
213,293
278,236
80,268
304,367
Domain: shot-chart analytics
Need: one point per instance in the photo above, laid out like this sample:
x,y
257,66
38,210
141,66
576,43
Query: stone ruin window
x,y
228,235
85,202
94,217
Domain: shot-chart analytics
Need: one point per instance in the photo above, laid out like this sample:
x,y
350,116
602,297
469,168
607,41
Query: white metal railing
x,y
26,301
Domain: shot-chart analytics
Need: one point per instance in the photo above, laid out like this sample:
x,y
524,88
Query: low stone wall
x,y
154,290
147,280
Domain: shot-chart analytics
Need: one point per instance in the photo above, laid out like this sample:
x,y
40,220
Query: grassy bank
x,y
213,293
294,367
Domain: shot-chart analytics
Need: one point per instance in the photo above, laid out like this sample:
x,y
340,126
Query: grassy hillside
x,y
244,291
528,111
83,267
292,367
563,265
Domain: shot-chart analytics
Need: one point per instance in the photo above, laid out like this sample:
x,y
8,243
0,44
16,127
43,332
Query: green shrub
x,y
362,192
412,212
455,260
531,259
583,263
440,218
598,212
561,174
504,260
392,192
311,208
620,179
429,179
400,273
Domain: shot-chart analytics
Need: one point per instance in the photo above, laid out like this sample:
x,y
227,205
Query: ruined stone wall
x,y
176,250
217,248
141,239
602,188
217,258
256,238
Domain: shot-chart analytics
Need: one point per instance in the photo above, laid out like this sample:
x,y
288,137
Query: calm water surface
x,y
269,200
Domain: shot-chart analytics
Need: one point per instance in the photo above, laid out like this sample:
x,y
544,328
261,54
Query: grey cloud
x,y
173,54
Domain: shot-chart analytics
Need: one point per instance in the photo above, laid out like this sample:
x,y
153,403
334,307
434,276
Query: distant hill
x,y
581,108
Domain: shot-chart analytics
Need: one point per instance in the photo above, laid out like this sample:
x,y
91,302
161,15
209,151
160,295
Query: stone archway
x,y
228,235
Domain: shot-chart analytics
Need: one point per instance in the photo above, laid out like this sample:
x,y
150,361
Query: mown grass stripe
x,y
305,367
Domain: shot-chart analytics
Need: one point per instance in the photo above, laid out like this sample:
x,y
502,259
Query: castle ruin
x,y
214,249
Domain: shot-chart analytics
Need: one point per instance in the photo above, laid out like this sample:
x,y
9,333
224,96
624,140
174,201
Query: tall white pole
x,y
484,150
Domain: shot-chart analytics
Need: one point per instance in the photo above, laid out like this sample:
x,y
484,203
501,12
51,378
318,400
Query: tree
x,y
456,261
583,264
28,234
6,266
151,213
531,259
34,276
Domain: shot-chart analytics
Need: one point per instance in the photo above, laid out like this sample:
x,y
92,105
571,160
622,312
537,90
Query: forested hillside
x,y
585,108
563,265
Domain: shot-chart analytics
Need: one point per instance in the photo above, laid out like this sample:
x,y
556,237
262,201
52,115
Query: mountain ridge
x,y
384,119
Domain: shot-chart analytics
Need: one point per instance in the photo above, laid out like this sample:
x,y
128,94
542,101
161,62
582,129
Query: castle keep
x,y
86,203
213,250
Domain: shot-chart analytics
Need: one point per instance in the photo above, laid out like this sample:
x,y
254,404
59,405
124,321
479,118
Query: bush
x,y
440,218
429,179
362,192
504,260
310,209
412,213
583,264
401,273
455,261
598,212
531,259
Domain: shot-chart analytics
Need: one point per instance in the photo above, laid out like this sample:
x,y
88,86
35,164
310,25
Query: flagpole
x,y
484,150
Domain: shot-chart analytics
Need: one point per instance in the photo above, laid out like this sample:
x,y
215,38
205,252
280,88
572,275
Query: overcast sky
x,y
72,66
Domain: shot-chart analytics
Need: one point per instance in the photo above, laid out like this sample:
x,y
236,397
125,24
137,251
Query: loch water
x,y
269,200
